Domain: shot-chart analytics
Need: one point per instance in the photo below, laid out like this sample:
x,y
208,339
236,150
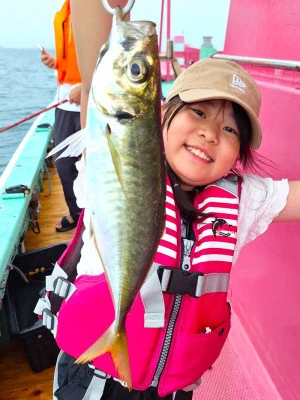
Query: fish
x,y
125,172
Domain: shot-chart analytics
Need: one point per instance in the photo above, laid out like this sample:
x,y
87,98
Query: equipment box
x,y
25,285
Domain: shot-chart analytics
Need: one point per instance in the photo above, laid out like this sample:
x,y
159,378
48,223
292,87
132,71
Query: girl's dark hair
x,y
183,199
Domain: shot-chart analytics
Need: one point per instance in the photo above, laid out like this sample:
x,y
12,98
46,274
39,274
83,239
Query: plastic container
x,y
20,299
207,48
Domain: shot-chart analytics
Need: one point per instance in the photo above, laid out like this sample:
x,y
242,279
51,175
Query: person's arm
x,y
91,26
291,211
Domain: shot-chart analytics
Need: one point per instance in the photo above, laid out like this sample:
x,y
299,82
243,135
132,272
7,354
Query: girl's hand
x,y
75,94
47,59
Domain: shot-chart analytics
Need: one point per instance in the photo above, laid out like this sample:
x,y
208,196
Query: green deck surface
x,y
24,168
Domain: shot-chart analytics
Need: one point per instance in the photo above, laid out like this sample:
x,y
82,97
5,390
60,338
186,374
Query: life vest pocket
x,y
190,356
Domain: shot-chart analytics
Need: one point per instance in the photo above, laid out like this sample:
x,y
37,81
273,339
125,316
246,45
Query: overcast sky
x,y
24,23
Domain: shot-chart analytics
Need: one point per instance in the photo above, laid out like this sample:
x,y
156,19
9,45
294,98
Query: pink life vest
x,y
176,355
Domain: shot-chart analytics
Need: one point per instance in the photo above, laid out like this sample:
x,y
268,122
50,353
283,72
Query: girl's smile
x,y
199,153
202,143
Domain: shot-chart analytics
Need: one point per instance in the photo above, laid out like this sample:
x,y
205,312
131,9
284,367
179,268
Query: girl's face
x,y
202,143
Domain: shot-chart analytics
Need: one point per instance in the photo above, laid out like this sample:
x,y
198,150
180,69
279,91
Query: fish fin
x,y
101,346
74,145
114,343
117,164
115,158
119,355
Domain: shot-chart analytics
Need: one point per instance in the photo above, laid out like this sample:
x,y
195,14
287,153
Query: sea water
x,y
26,87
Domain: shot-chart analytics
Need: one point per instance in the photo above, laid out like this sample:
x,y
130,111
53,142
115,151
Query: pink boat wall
x,y
265,285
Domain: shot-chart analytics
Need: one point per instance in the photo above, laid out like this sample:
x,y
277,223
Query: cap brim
x,y
193,95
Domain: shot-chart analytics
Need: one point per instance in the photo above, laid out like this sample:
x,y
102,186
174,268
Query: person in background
x,y
67,115
91,24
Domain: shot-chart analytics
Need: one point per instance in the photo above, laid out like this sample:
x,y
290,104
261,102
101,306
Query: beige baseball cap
x,y
220,79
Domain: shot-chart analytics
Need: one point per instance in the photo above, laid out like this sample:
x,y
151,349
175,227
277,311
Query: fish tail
x,y
114,343
100,347
119,355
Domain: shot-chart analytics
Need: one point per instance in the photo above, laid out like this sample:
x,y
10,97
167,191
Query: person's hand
x,y
75,94
47,59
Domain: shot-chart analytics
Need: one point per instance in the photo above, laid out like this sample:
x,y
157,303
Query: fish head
x,y
127,75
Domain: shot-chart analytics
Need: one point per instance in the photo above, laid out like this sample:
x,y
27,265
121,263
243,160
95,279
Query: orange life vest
x,y
66,62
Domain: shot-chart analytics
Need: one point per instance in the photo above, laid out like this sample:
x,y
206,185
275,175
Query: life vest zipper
x,y
167,340
186,232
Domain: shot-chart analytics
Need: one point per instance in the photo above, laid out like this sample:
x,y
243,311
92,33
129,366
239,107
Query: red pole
x,y
33,115
168,35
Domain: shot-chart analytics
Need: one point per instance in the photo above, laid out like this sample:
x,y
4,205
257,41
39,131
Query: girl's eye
x,y
199,112
231,130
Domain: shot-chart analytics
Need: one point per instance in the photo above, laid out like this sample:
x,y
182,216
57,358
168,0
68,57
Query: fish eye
x,y
137,70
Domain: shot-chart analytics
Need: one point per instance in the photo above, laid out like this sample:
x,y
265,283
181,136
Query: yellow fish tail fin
x,y
114,343
119,355
101,346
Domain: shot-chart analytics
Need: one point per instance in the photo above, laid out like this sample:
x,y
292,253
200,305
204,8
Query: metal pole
x,y
263,62
161,24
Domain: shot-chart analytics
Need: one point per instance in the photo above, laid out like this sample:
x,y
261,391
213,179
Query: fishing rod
x,y
33,115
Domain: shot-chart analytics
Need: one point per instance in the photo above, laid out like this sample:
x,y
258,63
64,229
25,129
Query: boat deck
x,y
53,207
18,381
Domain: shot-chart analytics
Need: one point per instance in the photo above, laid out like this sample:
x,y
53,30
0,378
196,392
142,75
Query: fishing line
x,y
33,115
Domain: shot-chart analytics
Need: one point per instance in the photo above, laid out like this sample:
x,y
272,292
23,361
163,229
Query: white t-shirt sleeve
x,y
79,186
90,262
261,201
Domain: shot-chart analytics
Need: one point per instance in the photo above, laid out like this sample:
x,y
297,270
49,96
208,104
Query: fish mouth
x,y
199,153
119,115
115,112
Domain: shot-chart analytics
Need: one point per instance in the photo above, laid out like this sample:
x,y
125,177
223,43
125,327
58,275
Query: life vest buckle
x,y
178,281
61,287
195,284
48,319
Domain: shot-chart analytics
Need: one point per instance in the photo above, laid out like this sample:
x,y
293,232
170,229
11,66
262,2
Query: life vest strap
x,y
41,305
195,284
96,386
152,298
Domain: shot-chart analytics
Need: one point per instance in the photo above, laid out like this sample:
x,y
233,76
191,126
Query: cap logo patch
x,y
237,83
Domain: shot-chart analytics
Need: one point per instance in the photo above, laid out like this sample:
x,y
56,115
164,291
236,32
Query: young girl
x,y
211,130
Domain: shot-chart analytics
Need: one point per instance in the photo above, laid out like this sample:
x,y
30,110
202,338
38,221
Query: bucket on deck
x,y
20,300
